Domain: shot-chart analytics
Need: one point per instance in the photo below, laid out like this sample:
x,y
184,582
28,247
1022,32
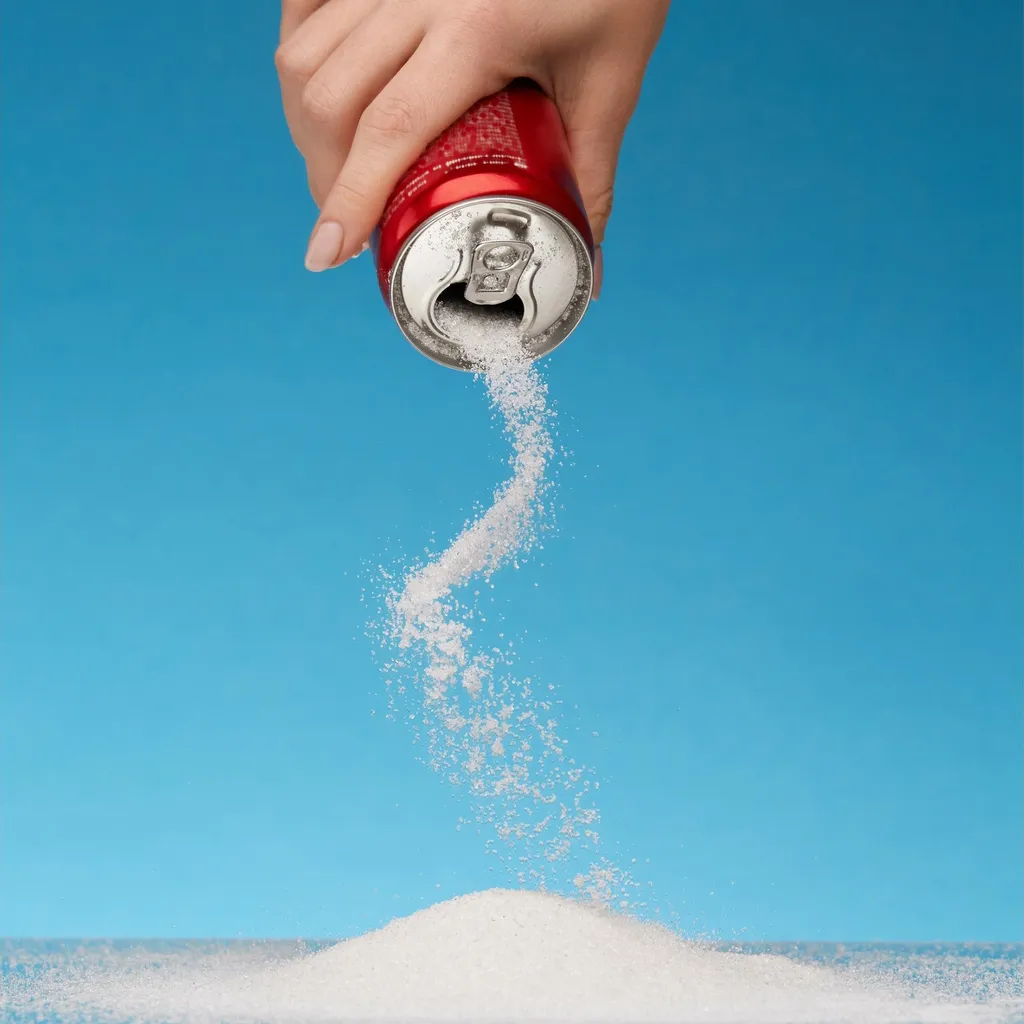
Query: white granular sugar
x,y
485,728
500,957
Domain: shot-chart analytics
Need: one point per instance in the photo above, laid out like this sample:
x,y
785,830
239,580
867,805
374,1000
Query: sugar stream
x,y
484,726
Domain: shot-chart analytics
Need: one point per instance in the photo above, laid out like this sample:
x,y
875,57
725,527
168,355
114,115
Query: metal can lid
x,y
500,259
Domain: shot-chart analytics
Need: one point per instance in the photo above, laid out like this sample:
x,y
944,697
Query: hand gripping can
x,y
488,226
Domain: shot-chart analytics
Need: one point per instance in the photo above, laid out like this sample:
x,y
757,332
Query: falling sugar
x,y
485,728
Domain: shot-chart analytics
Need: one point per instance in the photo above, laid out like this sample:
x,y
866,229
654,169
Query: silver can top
x,y
502,259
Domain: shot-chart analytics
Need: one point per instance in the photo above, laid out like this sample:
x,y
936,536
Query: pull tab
x,y
517,220
495,271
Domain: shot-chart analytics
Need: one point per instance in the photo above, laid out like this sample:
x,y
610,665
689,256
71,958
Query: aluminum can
x,y
488,226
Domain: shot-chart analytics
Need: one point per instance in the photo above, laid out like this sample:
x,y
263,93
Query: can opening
x,y
452,309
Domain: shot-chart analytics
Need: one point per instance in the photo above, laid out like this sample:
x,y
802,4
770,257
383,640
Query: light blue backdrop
x,y
786,592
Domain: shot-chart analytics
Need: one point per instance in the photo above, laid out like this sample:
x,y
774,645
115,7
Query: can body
x,y
488,222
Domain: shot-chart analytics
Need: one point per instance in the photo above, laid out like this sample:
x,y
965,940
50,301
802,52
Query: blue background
x,y
786,591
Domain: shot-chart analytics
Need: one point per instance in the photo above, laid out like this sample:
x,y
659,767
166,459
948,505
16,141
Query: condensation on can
x,y
488,223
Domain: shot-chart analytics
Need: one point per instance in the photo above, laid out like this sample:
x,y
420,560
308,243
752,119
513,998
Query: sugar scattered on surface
x,y
504,956
485,728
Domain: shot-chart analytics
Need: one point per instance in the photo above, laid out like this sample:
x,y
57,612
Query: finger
x,y
337,95
433,89
595,155
594,126
301,53
294,13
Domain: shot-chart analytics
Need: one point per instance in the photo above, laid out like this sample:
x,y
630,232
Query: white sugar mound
x,y
503,956
513,955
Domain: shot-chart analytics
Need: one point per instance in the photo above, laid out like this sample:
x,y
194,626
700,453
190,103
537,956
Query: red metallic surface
x,y
510,144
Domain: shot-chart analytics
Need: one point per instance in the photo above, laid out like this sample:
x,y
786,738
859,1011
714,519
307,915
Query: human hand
x,y
368,84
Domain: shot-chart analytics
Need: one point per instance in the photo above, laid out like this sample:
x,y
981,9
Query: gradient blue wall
x,y
786,592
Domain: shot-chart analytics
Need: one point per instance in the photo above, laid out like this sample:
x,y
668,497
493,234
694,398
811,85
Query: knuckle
x,y
391,119
483,28
600,204
348,195
320,103
476,13
352,193
293,61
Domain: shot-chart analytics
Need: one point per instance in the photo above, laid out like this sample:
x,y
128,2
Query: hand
x,y
368,84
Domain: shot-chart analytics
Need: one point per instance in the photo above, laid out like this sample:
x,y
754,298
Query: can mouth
x,y
453,312
449,282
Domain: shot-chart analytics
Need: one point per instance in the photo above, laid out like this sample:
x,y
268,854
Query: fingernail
x,y
595,292
324,246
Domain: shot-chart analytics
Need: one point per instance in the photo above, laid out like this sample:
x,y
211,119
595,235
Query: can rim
x,y
399,263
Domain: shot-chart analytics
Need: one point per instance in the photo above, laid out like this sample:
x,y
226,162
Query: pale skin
x,y
368,84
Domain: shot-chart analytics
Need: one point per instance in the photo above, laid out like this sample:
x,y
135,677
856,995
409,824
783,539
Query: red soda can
x,y
488,226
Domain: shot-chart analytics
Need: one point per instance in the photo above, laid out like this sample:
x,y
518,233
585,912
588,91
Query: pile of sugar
x,y
484,727
501,956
